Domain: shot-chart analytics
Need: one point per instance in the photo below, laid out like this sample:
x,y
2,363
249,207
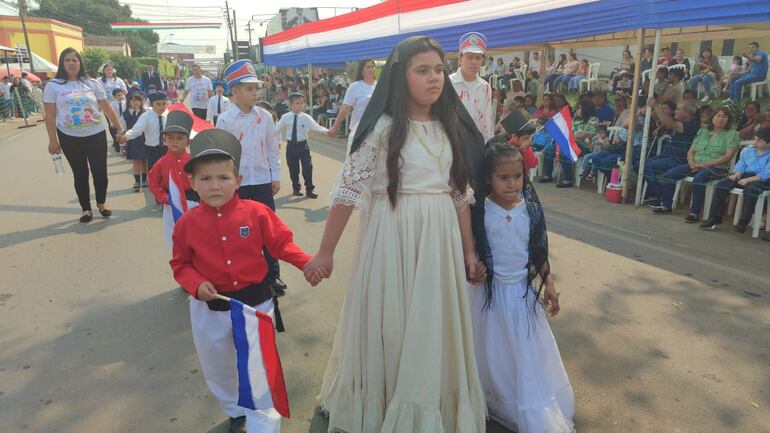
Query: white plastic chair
x,y
646,75
759,89
710,186
592,78
756,218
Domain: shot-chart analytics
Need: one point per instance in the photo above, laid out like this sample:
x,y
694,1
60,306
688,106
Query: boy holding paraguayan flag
x,y
218,251
168,182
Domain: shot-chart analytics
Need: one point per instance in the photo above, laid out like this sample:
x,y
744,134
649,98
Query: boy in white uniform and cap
x,y
474,92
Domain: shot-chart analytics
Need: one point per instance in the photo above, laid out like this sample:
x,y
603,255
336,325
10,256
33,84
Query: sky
x,y
212,11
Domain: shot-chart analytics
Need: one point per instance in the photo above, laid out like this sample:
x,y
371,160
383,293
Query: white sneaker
x,y
706,98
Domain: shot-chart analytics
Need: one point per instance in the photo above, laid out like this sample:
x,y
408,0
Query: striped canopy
x,y
374,31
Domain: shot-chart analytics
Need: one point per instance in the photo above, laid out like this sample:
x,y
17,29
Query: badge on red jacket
x,y
245,232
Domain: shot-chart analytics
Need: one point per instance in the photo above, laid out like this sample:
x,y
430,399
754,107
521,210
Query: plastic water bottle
x,y
58,164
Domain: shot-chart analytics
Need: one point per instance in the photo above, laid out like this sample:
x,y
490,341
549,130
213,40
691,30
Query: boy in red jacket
x,y
168,181
218,249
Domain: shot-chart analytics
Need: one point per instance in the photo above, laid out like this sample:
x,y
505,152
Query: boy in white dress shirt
x,y
118,106
218,104
151,124
260,164
475,93
294,126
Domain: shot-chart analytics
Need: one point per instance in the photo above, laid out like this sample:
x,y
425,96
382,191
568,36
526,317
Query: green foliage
x,y
93,59
351,69
124,66
144,61
95,16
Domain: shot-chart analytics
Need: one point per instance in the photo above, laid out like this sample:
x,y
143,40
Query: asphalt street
x,y
663,328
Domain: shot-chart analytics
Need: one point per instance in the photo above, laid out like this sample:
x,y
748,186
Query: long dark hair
x,y
114,72
361,65
61,74
442,110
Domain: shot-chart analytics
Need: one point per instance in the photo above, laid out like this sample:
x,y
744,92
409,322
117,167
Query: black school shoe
x,y
711,224
545,179
311,194
691,219
279,287
297,193
237,425
661,210
741,227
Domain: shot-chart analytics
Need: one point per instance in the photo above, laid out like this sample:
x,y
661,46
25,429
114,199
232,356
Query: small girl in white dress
x,y
525,384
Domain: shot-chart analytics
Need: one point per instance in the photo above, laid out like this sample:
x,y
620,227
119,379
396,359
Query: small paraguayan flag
x,y
260,375
175,197
560,128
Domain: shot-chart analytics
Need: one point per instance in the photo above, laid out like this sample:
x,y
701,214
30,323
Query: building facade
x,y
47,37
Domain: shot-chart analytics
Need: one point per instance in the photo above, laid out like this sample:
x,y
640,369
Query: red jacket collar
x,y
229,206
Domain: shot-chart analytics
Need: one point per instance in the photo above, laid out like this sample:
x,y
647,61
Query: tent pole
x,y
647,118
541,81
310,87
632,113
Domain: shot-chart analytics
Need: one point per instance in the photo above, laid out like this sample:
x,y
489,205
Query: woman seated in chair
x,y
707,160
752,175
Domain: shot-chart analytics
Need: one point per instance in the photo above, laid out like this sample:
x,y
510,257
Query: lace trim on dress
x,y
463,199
355,176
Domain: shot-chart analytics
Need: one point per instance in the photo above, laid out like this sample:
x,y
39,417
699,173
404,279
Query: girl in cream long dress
x,y
403,358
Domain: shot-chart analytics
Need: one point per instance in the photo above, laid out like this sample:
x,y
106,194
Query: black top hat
x,y
178,121
516,123
214,142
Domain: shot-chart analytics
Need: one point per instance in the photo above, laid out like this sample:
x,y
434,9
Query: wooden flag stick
x,y
224,298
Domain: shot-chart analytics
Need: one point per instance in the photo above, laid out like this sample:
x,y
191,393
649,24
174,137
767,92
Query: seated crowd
x,y
688,138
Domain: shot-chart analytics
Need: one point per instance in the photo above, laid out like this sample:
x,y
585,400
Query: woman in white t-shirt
x,y
201,91
357,96
73,106
110,81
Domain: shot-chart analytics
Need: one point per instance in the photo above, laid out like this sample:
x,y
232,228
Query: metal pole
x,y
310,86
229,30
22,12
541,81
23,111
235,32
647,118
632,112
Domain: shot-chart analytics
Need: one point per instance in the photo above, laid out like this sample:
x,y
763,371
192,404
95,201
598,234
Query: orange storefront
x,y
47,37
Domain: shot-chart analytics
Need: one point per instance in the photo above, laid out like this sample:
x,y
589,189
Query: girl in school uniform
x,y
134,149
520,369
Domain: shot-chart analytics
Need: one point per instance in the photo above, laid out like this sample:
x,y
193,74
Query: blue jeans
x,y
697,79
549,155
606,161
561,79
653,167
700,179
587,159
574,83
736,85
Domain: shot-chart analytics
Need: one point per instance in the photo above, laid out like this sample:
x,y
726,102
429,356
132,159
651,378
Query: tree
x,y
93,59
95,16
124,66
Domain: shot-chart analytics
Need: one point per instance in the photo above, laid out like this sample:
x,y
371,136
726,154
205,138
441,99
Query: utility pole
x,y
22,13
249,29
235,31
229,29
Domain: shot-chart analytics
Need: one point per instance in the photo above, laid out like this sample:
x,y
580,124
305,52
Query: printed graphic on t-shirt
x,y
79,110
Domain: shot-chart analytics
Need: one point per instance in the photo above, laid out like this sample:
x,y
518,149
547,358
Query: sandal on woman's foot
x,y
86,217
105,212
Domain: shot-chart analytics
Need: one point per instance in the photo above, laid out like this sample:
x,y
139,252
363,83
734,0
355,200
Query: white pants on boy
x,y
213,337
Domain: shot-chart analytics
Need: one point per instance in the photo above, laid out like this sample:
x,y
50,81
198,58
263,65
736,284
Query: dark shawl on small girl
x,y
537,264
